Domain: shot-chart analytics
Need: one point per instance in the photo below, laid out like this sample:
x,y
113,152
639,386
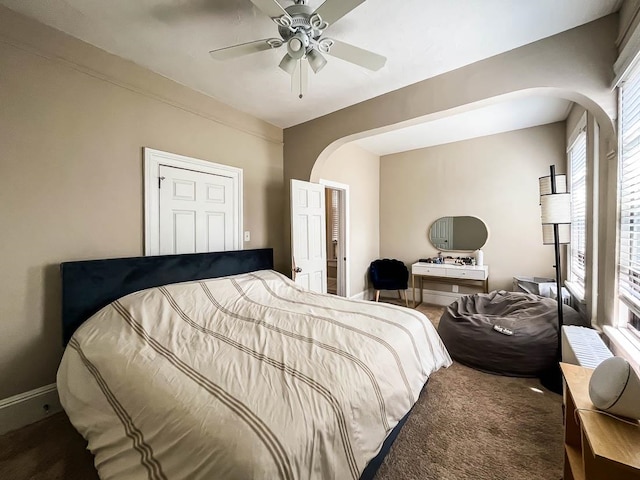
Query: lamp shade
x,y
545,184
556,208
288,64
564,234
316,60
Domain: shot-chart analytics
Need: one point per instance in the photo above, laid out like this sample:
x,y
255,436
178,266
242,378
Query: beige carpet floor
x,y
467,425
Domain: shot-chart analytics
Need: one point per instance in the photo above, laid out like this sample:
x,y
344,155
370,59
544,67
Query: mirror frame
x,y
486,227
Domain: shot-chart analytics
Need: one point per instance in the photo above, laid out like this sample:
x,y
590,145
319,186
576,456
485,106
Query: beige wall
x,y
576,65
494,178
73,121
360,170
629,20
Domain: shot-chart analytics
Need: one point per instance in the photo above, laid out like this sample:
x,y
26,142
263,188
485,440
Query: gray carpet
x,y
466,425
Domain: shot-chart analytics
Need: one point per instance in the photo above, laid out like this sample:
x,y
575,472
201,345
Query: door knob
x,y
297,269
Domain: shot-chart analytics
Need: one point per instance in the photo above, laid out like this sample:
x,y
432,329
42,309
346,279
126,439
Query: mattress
x,y
241,377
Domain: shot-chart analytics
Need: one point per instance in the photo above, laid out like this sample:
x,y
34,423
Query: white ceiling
x,y
421,39
497,118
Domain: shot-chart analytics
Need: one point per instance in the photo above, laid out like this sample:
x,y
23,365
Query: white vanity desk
x,y
448,273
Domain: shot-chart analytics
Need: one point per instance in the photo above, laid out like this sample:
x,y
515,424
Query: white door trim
x,y
344,227
152,161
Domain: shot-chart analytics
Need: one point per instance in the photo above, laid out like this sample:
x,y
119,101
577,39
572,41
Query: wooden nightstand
x,y
596,446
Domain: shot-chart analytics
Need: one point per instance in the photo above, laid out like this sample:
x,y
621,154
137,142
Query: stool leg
x,y
406,299
377,295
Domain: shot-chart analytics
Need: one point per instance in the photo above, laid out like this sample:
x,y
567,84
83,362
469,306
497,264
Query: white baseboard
x,y
436,297
363,295
28,407
433,297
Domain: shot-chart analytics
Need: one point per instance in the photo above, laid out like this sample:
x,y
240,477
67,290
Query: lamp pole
x,y
552,378
556,239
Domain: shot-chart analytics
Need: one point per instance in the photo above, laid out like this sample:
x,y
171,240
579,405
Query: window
x,y
578,245
629,187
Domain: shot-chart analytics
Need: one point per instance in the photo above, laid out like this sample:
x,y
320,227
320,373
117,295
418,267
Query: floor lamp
x,y
555,205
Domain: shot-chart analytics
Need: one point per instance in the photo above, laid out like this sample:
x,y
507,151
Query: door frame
x,y
343,238
152,161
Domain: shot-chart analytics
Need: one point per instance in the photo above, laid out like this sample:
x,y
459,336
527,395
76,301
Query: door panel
x,y
302,279
441,233
196,211
184,231
302,238
184,190
317,282
216,222
316,231
308,234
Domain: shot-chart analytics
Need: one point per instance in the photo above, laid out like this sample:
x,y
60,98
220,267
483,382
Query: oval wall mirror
x,y
458,233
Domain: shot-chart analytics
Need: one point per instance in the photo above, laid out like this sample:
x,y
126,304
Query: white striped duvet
x,y
243,377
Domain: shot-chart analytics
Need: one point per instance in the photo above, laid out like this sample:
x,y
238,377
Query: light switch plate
x,y
247,236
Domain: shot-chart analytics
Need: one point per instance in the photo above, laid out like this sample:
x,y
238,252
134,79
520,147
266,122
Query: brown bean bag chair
x,y
467,329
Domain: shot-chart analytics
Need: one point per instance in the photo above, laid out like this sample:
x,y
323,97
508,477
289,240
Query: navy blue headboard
x,y
88,286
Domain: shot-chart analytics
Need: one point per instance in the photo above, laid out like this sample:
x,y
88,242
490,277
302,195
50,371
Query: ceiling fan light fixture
x,y
316,60
302,27
288,64
297,45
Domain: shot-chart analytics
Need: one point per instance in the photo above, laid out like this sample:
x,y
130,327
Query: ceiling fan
x,y
301,29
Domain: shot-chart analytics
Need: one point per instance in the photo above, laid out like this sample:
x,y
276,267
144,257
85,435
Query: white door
x,y
441,233
196,212
308,236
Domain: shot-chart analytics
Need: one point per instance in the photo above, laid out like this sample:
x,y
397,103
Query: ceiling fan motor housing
x,y
302,20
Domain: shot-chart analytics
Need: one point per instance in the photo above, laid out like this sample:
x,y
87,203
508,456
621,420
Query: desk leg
x,y
413,285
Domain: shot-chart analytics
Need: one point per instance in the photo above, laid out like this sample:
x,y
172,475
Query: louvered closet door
x,y
196,212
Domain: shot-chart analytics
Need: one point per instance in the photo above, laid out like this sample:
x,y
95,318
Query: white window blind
x,y
578,172
629,178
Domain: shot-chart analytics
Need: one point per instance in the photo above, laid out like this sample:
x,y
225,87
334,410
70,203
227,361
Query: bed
x,y
216,366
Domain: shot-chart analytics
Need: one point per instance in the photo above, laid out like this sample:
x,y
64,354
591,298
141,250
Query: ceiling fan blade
x,y
271,8
333,10
356,55
248,48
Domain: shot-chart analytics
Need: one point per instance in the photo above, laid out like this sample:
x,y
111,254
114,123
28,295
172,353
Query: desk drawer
x,y
462,273
428,270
